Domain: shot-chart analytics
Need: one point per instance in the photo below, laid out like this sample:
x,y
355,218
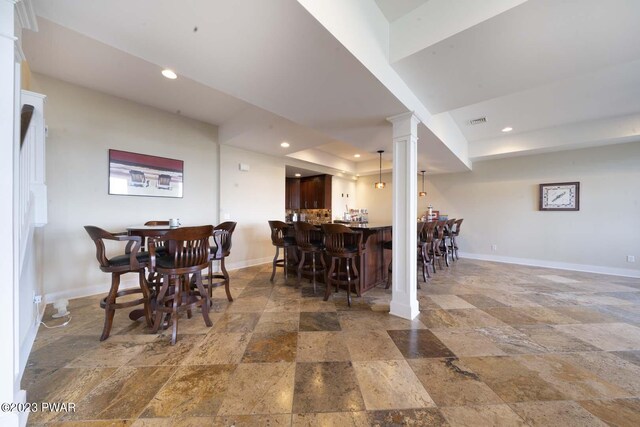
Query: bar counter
x,y
374,263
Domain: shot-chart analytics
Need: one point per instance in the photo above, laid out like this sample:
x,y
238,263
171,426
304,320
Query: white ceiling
x,y
267,72
394,9
539,65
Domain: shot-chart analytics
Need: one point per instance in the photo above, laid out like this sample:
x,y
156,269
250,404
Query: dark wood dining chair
x,y
454,237
428,236
448,240
440,249
310,243
189,255
280,238
132,261
221,249
342,243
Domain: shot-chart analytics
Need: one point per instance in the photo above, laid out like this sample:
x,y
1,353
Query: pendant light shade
x,y
380,185
422,193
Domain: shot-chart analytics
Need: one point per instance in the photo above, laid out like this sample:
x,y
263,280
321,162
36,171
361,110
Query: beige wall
x,y
499,203
378,202
83,125
251,198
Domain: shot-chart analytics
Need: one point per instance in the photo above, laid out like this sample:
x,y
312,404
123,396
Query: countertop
x,y
358,225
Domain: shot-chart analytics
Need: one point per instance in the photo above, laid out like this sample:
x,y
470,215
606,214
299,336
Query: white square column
x,y
404,298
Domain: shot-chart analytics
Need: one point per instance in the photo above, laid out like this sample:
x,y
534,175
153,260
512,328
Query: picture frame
x,y
135,174
560,196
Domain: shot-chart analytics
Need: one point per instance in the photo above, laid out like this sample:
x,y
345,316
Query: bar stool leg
x,y
313,270
300,268
329,275
109,311
348,283
275,260
286,263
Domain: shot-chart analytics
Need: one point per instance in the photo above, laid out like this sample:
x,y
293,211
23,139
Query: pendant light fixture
x,y
422,193
380,185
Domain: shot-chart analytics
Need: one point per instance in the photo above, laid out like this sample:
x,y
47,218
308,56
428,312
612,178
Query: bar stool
x,y
439,246
342,243
428,235
221,249
188,255
310,242
454,234
132,261
280,239
449,237
423,254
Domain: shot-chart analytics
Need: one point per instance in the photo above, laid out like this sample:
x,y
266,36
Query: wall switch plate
x,y
494,248
631,258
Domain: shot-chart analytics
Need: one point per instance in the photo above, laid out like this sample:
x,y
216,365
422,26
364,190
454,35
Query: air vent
x,y
478,121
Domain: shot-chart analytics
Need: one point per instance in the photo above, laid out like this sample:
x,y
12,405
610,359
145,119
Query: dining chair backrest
x,y
308,237
189,247
419,229
340,239
428,230
458,223
278,232
222,234
440,226
98,235
449,226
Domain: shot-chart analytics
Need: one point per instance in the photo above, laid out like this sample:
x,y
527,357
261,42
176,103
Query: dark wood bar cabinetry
x,y
373,265
292,194
312,192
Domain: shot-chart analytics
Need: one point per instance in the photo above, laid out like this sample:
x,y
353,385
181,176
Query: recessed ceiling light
x,y
170,74
356,155
284,145
507,129
298,174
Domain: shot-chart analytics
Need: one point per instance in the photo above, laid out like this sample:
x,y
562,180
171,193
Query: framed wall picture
x,y
133,174
560,196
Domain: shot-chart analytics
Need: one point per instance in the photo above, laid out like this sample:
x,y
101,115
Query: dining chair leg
x,y
313,270
177,299
329,276
205,306
356,273
147,297
275,260
300,266
227,280
110,301
157,323
286,264
348,284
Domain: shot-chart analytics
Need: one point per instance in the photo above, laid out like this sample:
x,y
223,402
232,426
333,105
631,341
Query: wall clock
x,y
561,196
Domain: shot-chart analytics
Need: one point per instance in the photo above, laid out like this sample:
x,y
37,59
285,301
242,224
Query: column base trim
x,y
408,312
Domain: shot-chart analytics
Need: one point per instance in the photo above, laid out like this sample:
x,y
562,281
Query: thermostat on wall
x,y
244,167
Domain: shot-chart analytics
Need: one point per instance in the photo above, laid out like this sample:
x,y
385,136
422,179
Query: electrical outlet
x,y
631,258
494,247
37,299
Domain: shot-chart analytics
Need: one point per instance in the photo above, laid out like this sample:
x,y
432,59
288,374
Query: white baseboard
x,y
248,263
626,272
103,288
27,344
131,281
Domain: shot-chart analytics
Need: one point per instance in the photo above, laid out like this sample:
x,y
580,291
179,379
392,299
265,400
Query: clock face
x,y
559,196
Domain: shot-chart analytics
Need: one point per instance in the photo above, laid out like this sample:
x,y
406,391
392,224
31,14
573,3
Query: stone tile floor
x,y
494,344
